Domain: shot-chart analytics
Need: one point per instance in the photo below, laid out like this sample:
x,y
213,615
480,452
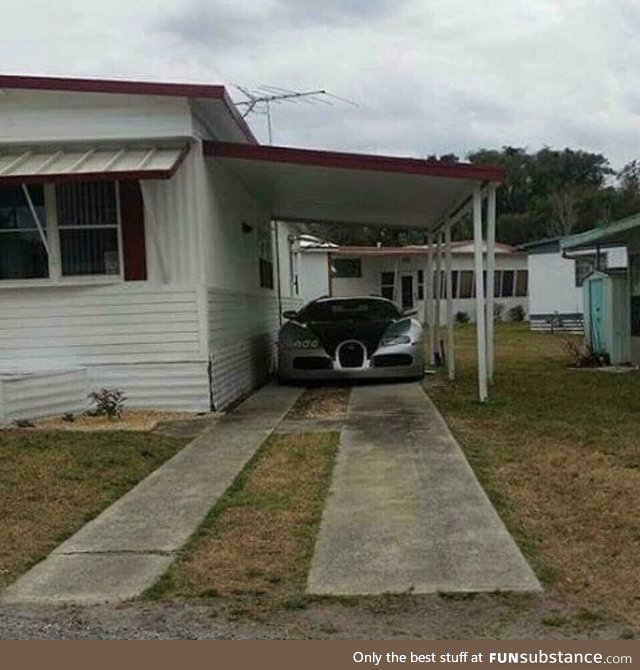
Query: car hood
x,y
331,334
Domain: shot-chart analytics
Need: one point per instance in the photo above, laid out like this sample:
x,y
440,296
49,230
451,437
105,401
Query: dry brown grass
x,y
321,403
52,483
558,451
256,546
135,420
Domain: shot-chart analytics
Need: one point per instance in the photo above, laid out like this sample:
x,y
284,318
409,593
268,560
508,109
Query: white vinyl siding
x,y
243,335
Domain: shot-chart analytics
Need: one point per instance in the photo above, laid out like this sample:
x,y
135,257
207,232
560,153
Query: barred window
x,y
88,224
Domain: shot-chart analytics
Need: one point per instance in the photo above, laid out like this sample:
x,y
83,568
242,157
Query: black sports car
x,y
352,338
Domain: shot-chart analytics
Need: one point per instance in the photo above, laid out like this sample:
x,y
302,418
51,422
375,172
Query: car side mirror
x,y
409,312
290,314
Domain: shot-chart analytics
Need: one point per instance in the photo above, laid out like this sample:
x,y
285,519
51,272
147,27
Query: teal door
x,y
596,314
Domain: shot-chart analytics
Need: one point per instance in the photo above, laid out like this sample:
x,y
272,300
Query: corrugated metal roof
x,y
49,163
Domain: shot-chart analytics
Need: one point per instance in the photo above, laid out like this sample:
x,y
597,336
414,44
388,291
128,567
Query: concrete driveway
x,y
406,512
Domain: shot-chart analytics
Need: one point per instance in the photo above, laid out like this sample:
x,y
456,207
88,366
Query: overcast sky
x,y
429,76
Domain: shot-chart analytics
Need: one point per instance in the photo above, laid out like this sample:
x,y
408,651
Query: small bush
x,y
108,402
462,317
69,417
498,311
24,423
517,313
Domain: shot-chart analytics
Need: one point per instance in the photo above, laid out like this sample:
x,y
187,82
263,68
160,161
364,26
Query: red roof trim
x,y
121,86
125,87
350,161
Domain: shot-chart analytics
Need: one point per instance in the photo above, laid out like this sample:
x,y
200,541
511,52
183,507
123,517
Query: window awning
x,y
40,163
333,187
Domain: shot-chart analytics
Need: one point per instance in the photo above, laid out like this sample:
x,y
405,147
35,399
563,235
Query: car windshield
x,y
358,309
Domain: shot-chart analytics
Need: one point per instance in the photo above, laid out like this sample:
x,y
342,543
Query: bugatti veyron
x,y
350,338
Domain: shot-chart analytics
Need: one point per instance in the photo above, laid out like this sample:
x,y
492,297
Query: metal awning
x,y
333,187
46,163
616,233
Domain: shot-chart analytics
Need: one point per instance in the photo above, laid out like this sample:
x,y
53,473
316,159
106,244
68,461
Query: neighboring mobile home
x,y
556,282
611,296
398,273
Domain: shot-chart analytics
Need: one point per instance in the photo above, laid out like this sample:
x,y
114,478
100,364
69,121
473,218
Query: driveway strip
x,y
127,548
406,513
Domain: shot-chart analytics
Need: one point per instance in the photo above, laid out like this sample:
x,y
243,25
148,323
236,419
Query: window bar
x,y
34,214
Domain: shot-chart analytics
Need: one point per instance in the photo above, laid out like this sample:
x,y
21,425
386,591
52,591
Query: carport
x,y
302,185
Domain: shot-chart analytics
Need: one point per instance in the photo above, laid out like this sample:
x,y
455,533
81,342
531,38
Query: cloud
x,y
429,77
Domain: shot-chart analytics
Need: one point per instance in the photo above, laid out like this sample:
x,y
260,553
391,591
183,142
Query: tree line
x,y
547,193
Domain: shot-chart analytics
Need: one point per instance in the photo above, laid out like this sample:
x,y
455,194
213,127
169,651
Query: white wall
x,y
552,285
144,339
313,274
243,317
34,116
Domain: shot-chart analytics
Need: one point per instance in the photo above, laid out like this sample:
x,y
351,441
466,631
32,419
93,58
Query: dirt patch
x,y
134,420
321,403
53,483
256,545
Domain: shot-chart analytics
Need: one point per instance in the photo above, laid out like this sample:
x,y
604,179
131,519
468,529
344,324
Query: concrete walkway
x,y
131,544
406,512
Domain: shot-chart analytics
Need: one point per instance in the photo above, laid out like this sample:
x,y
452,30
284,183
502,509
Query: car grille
x,y
312,363
351,355
392,360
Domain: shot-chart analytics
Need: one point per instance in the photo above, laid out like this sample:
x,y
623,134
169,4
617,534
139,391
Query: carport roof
x,y
332,187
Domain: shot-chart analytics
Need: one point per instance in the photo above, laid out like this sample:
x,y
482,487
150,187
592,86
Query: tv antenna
x,y
259,100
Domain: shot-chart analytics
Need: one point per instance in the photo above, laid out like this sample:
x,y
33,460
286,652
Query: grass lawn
x,y
256,545
558,451
51,483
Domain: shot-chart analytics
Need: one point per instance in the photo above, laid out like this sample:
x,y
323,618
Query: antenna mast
x,y
262,98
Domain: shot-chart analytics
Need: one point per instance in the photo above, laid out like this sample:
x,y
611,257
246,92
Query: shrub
x,y
582,355
517,313
108,402
462,317
24,423
498,310
69,417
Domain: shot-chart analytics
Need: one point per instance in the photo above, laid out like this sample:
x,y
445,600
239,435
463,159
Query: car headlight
x,y
306,344
392,340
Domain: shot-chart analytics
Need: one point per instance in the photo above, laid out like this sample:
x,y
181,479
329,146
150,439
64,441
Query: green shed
x,y
606,315
612,299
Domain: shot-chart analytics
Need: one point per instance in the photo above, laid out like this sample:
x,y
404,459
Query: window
x,y
466,284
23,254
454,283
508,277
347,267
87,229
88,226
522,283
387,284
420,285
265,256
497,284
